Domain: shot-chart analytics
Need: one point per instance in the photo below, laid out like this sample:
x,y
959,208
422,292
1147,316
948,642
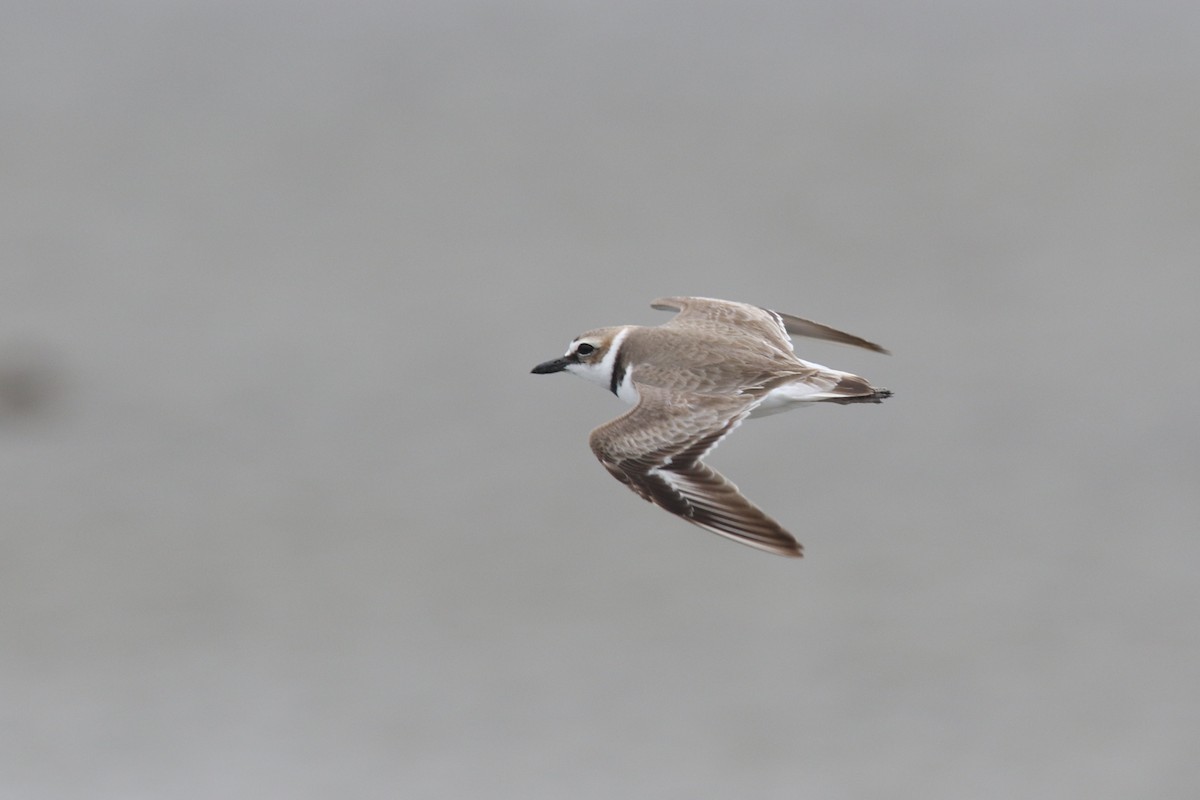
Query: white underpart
x,y
800,392
626,389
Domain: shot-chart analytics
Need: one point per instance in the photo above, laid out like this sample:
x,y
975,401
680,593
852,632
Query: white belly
x,y
785,398
800,393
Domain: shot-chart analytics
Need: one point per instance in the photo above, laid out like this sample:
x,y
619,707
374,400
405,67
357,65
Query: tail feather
x,y
873,396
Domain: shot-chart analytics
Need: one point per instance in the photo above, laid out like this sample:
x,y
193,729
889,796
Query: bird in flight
x,y
691,381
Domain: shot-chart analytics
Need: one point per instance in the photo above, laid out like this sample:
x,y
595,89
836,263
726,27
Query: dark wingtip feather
x,y
798,326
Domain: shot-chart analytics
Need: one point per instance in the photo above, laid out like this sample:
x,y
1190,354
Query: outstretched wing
x,y
655,450
741,319
704,311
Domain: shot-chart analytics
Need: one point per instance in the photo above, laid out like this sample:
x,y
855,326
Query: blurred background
x,y
284,514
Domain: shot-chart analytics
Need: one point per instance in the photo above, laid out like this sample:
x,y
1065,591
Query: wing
x,y
655,450
704,311
798,326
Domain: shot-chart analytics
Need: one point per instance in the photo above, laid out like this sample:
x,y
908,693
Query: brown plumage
x,y
693,380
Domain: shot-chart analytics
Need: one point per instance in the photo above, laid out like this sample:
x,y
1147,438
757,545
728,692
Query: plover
x,y
691,381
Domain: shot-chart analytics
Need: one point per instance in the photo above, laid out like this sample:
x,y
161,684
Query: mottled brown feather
x,y
656,449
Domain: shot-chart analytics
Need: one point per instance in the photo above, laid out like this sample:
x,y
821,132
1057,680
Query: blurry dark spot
x,y
29,381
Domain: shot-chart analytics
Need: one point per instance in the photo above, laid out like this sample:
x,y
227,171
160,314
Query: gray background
x,y
284,514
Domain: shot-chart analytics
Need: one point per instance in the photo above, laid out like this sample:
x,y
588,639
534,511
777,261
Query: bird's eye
x,y
584,349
